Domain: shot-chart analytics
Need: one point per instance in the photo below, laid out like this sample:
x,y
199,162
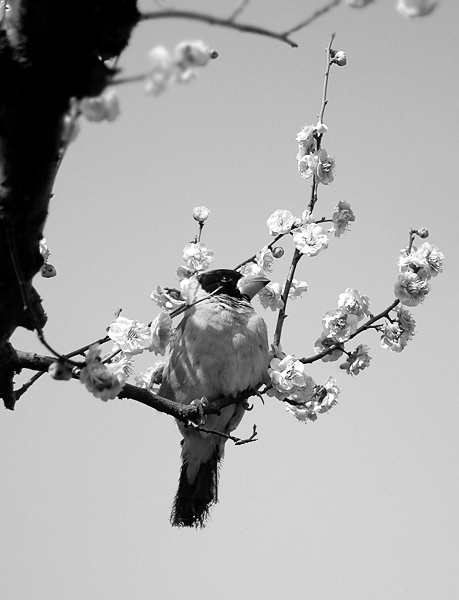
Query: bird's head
x,y
232,283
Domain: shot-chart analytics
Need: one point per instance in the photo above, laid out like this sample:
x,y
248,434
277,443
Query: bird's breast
x,y
221,349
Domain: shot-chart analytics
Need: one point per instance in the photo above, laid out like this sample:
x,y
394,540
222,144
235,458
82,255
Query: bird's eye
x,y
224,278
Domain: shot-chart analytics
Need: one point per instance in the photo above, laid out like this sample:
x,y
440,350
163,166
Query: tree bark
x,y
50,51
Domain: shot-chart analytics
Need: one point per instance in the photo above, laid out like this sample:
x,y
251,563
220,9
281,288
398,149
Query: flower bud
x,y
423,233
60,371
47,270
339,58
321,128
278,252
297,222
200,213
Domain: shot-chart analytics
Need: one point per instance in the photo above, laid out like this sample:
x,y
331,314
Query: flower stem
x,y
327,73
252,258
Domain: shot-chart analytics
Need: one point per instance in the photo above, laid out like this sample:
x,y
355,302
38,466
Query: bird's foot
x,y
200,405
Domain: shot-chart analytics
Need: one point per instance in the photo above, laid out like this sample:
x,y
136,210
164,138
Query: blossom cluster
x,y
105,377
416,268
314,161
291,384
339,325
178,66
398,331
104,380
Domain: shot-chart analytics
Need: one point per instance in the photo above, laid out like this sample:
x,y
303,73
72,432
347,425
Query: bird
x,y
220,349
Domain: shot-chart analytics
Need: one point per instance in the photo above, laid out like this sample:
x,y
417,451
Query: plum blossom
x,y
321,401
198,256
306,141
167,298
333,391
129,336
60,371
320,165
416,8
351,301
297,288
105,107
262,265
398,333
289,380
193,53
310,239
161,72
104,381
340,324
265,259
270,296
410,289
161,333
341,218
151,377
178,68
357,360
325,342
281,221
426,261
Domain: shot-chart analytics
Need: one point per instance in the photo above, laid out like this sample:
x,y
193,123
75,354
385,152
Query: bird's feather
x,y
220,350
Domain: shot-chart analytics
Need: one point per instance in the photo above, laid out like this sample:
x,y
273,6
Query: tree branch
x,y
231,23
19,360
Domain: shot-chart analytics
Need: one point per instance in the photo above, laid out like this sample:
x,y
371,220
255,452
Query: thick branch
x,y
50,51
28,360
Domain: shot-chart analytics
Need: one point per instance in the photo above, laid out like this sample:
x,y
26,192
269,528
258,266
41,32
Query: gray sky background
x,y
363,503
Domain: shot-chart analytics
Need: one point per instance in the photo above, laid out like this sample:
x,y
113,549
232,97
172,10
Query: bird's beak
x,y
250,285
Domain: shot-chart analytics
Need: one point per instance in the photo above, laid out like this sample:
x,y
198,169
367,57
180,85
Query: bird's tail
x,y
194,500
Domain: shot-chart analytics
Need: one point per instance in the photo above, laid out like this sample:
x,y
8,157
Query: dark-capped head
x,y
226,279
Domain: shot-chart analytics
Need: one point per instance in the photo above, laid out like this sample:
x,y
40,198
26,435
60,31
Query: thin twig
x,y
326,77
315,15
253,258
238,10
236,440
181,309
22,390
211,20
288,284
314,186
365,326
232,24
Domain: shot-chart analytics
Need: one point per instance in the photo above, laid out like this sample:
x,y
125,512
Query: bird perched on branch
x,y
220,350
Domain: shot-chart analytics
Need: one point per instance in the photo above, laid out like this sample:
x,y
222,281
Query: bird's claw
x,y
200,405
247,406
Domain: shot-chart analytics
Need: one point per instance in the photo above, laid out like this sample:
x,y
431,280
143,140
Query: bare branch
x,y
313,17
231,23
233,438
238,10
